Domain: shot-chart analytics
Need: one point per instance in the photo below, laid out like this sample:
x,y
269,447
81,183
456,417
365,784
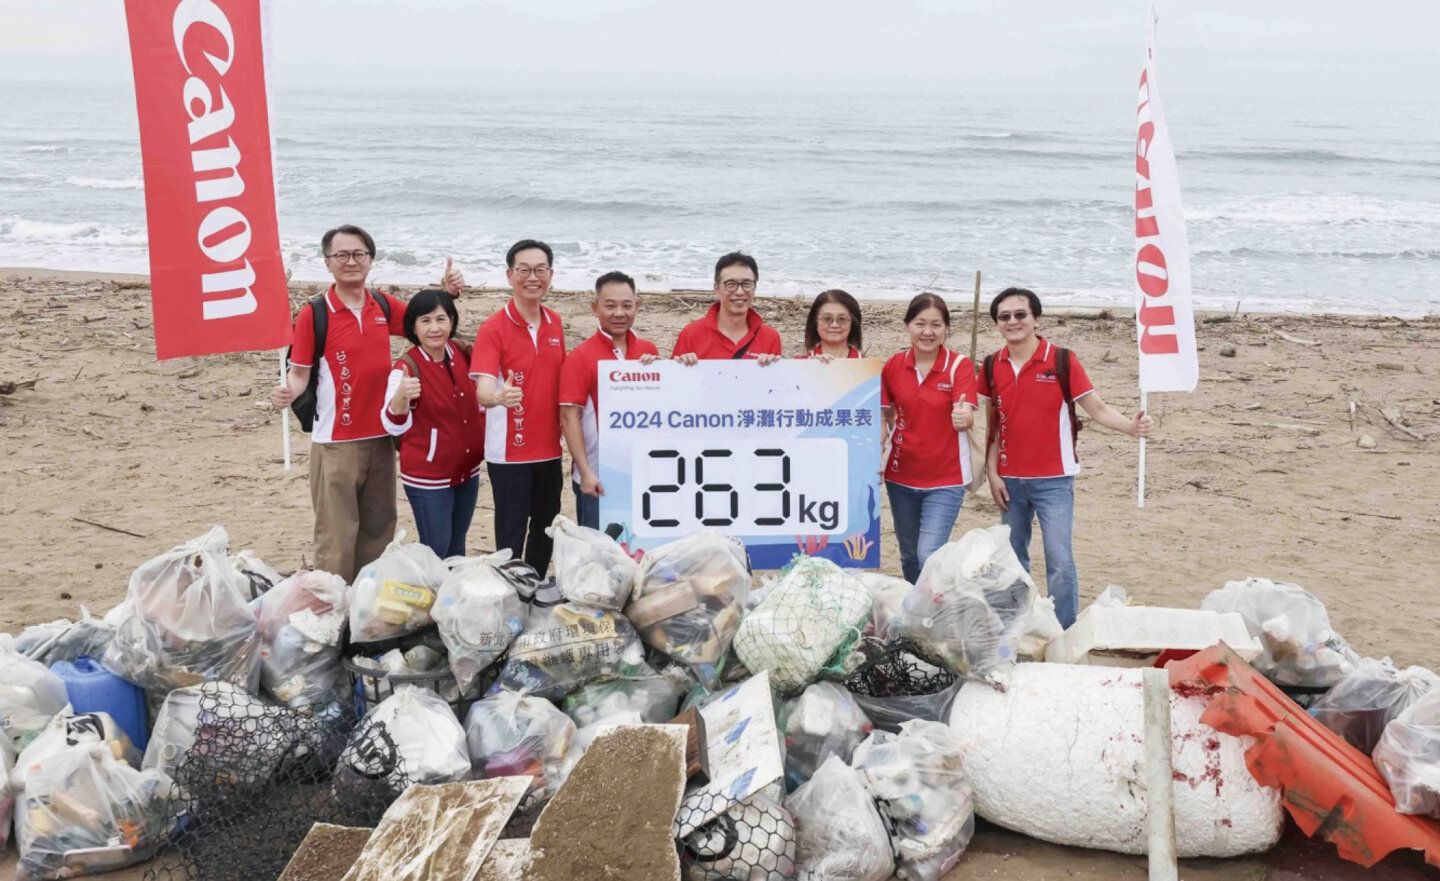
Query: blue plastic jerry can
x,y
91,688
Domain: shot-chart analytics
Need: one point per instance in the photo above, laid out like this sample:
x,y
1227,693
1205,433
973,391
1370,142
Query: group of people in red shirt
x,y
507,401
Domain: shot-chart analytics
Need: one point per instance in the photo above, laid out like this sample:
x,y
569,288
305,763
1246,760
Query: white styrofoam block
x,y
1147,630
1060,756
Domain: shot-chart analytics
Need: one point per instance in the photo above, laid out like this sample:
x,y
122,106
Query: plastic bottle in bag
x,y
823,721
479,613
806,623
689,597
393,594
1300,647
30,695
187,619
300,622
1408,757
1369,697
511,734
970,604
568,646
648,697
841,837
590,567
918,780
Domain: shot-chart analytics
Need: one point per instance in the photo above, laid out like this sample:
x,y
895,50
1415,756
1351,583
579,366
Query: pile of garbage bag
x,y
970,605
688,599
30,695
807,622
392,595
515,735
300,621
1408,757
428,742
1301,649
186,619
1369,698
841,836
568,646
590,567
823,721
479,612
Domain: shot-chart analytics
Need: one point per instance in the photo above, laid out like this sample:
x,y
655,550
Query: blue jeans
x,y
1052,499
443,516
923,521
587,508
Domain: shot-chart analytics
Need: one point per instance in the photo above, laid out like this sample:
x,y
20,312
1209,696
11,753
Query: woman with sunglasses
x,y
927,393
832,329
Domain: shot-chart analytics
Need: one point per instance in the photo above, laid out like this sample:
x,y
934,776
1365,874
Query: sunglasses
x,y
1018,315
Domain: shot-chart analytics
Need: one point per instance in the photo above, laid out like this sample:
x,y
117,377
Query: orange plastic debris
x,y
1328,786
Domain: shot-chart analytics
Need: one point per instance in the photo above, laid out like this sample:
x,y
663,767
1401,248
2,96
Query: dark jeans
x,y
1051,500
587,508
443,515
527,498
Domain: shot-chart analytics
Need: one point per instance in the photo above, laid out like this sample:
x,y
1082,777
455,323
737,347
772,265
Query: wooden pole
x,y
975,320
1159,791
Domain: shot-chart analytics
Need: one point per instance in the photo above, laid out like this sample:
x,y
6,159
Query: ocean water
x,y
1301,205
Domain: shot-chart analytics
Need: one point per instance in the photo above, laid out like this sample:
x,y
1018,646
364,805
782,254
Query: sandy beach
x,y
111,457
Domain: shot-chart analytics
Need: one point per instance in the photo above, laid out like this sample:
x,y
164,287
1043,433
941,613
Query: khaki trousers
x,y
352,488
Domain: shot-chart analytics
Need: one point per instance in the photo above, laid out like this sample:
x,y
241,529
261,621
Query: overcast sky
x,y
1226,47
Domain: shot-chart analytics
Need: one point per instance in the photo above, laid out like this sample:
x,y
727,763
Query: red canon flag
x,y
217,282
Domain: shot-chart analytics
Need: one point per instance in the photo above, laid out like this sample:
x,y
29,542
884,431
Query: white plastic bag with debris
x,y
300,621
1408,757
841,837
754,840
66,731
688,599
918,780
516,735
183,722
479,613
30,695
971,604
1300,647
805,624
64,640
823,721
392,595
428,741
1369,697
887,595
1041,626
590,567
85,811
647,697
187,619
569,646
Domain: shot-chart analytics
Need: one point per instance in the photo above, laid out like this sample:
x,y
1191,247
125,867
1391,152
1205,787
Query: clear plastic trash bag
x,y
515,735
689,597
187,619
970,604
841,836
181,726
65,640
823,721
1299,647
84,811
479,613
1408,756
918,780
393,594
806,623
754,840
428,742
568,646
65,731
590,567
301,620
1369,697
1041,626
887,595
30,695
649,697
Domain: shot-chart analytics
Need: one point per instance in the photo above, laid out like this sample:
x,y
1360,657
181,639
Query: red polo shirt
x,y
820,350
505,342
580,384
926,452
1035,438
355,365
703,337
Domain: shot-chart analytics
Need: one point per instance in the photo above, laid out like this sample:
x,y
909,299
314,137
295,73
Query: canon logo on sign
x,y
634,376
223,234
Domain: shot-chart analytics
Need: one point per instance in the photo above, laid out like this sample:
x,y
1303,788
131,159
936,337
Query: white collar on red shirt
x,y
514,315
335,304
621,354
1041,354
942,364
426,355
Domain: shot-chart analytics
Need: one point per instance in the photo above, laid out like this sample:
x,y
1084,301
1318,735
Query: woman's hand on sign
x,y
961,416
1140,426
767,360
689,359
510,394
822,357
648,358
453,280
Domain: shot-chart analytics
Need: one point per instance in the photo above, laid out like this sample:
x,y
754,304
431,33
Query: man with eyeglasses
x,y
1032,387
731,330
518,355
352,459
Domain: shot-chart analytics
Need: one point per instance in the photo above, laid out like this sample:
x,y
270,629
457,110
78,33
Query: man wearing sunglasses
x,y
352,460
731,330
1032,387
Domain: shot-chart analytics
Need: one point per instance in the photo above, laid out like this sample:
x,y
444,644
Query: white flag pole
x,y
1140,489
285,417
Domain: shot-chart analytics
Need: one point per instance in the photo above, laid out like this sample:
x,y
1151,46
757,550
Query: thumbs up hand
x,y
961,418
453,280
510,394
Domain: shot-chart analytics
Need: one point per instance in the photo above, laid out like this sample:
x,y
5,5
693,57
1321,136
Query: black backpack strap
x,y
383,302
992,422
1062,376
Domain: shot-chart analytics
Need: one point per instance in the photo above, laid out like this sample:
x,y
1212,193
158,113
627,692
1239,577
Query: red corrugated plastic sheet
x,y
1328,786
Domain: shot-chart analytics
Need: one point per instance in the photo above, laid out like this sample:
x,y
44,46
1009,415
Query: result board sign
x,y
785,457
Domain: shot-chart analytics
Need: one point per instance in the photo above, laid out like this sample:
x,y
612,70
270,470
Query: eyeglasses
x,y
834,320
527,271
732,286
343,257
1018,315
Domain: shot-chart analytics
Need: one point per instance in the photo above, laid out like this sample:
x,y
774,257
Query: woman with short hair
x,y
832,328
